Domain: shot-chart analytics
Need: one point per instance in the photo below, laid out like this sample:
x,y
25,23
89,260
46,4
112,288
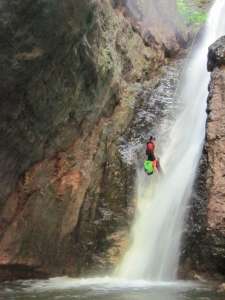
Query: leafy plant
x,y
191,15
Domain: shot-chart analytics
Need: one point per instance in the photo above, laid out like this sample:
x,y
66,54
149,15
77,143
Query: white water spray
x,y
162,203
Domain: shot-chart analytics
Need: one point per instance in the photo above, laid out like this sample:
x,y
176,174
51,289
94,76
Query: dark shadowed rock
x,y
216,54
206,233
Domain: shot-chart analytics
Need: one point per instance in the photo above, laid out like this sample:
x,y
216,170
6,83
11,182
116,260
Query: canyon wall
x,y
206,230
67,89
158,22
214,242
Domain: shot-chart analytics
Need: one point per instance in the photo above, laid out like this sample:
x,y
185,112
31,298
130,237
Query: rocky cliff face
x,y
158,22
66,88
215,147
206,248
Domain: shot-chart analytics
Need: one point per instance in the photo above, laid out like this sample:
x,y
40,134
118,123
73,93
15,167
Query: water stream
x,y
162,201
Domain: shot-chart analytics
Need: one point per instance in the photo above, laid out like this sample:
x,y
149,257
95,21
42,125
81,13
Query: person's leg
x,y
155,164
159,167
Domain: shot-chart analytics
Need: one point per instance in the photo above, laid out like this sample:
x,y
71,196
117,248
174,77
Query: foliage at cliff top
x,y
191,15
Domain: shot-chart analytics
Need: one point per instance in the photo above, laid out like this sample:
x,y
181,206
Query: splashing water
x,y
162,203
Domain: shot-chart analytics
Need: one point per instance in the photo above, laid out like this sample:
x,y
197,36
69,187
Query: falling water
x,y
163,201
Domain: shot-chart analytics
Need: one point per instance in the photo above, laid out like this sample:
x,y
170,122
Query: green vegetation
x,y
191,15
105,61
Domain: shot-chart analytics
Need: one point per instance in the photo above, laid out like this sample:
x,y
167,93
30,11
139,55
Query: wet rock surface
x,y
154,114
216,55
206,246
68,92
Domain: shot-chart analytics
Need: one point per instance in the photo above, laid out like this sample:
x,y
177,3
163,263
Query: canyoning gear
x,y
151,156
148,167
150,147
151,164
151,167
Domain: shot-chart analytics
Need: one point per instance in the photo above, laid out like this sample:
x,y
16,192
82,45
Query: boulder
x,y
216,54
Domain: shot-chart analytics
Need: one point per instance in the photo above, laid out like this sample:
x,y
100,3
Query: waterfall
x,y
163,200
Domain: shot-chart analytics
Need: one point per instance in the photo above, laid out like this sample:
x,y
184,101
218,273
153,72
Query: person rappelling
x,y
151,165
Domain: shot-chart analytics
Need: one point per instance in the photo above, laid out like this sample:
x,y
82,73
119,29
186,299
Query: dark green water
x,y
104,289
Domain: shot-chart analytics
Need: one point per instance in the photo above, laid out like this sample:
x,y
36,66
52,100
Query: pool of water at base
x,y
65,288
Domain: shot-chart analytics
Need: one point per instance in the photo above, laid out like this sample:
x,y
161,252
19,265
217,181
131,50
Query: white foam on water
x,y
101,284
